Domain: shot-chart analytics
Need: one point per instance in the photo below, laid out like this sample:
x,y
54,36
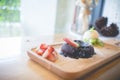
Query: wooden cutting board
x,y
70,68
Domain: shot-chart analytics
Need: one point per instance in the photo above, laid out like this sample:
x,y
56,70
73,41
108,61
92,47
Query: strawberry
x,y
52,57
43,46
70,42
50,54
39,52
49,50
46,51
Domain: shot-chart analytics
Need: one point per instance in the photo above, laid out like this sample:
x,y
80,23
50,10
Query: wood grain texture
x,y
70,68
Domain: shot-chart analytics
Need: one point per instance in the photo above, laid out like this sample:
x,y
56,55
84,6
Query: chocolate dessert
x,y
111,30
85,50
101,22
103,29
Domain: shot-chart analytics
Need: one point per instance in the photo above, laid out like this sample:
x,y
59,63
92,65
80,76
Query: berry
x,y
50,54
46,51
70,42
52,57
43,46
39,52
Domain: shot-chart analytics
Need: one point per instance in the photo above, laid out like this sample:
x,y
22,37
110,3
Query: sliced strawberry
x,y
70,42
52,57
49,50
43,46
39,52
55,54
50,54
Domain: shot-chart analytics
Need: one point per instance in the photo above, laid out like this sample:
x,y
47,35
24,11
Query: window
x,y
10,18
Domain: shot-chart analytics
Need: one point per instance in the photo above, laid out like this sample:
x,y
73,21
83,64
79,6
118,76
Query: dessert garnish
x,y
91,36
71,42
46,51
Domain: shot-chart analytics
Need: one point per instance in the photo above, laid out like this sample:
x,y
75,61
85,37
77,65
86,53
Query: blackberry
x,y
84,51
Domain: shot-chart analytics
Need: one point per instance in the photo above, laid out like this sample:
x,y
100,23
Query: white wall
x,y
38,17
112,11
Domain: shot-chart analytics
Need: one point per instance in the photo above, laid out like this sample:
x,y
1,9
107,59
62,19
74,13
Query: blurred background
x,y
48,17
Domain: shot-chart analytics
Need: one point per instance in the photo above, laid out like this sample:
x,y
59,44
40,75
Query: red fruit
x,y
46,51
43,46
49,50
70,42
52,57
39,52
50,54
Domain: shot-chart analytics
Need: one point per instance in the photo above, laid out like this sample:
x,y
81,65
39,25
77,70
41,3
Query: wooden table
x,y
16,65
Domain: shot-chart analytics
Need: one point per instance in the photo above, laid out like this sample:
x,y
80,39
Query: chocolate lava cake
x,y
109,31
85,50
